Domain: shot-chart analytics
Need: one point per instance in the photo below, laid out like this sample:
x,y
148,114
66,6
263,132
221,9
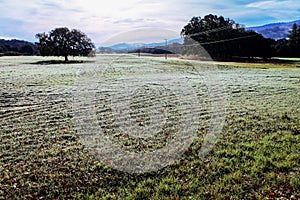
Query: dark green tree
x,y
294,41
294,33
282,49
222,38
64,42
210,31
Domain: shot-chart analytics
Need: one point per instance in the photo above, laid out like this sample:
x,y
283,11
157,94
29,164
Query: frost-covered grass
x,y
42,155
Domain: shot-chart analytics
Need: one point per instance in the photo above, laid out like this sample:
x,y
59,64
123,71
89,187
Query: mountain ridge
x,y
17,47
132,46
275,31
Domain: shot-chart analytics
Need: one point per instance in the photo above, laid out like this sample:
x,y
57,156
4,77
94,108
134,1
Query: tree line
x,y
225,39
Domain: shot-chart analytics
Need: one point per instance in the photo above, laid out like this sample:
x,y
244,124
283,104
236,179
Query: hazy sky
x,y
101,20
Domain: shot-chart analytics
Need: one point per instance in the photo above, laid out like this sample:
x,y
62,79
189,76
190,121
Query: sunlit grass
x,y
261,65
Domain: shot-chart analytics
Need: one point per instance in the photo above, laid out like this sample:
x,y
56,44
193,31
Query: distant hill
x,y
276,30
17,47
134,46
126,46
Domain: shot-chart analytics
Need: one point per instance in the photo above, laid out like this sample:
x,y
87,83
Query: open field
x,y
47,109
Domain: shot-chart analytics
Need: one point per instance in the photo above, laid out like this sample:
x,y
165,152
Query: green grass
x,y
261,65
41,155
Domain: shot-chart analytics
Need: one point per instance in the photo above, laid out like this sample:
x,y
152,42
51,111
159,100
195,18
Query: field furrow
x,y
128,127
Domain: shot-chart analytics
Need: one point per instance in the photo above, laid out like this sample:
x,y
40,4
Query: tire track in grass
x,y
143,108
32,116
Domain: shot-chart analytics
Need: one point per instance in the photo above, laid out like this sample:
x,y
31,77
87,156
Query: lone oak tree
x,y
64,42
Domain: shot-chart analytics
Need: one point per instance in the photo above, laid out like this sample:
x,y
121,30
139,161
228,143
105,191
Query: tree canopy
x,y
224,38
64,42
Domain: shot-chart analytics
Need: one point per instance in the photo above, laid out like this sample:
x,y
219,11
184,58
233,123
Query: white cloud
x,y
102,19
274,4
278,9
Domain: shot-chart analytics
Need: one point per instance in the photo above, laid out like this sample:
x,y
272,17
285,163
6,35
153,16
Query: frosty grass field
x,y
168,129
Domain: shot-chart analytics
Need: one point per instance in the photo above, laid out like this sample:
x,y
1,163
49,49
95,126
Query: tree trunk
x,y
66,58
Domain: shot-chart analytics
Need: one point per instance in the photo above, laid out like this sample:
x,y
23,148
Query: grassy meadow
x,y
42,155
